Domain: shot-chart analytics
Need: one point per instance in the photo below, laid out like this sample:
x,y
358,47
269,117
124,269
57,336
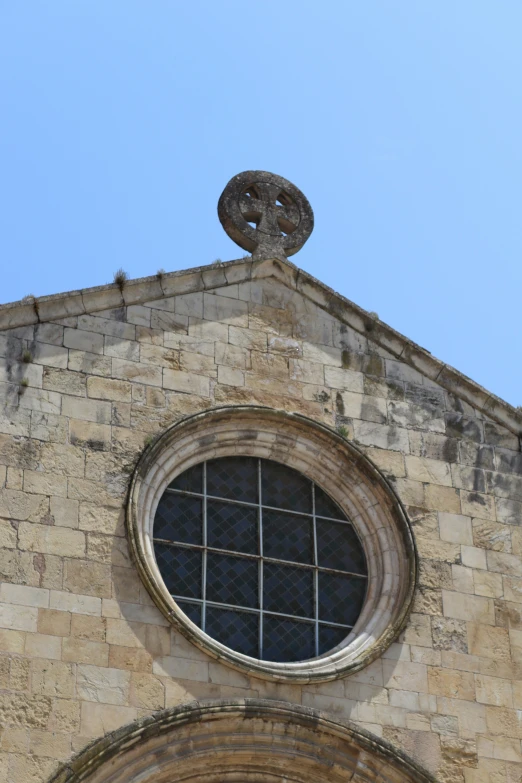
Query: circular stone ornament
x,y
343,472
265,214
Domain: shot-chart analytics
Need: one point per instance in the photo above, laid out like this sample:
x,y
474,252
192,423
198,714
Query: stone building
x,y
251,532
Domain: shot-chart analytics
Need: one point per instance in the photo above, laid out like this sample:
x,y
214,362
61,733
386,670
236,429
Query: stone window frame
x,y
344,473
252,740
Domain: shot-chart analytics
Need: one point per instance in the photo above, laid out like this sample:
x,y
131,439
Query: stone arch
x,y
244,741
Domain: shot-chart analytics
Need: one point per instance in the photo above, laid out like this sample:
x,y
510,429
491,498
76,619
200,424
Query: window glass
x,y
278,574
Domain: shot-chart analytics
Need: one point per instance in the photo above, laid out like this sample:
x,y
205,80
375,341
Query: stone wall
x,y
83,650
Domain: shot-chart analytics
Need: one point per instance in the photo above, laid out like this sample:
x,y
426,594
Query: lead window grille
x,y
260,558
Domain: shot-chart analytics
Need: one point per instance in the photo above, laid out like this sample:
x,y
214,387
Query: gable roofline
x,y
35,310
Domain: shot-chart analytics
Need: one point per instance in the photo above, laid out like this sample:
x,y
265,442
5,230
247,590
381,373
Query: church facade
x,y
251,532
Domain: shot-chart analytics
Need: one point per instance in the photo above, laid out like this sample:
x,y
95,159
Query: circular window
x,y
271,543
260,558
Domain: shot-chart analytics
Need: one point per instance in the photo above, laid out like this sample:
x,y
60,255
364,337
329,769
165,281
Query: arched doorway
x,y
246,741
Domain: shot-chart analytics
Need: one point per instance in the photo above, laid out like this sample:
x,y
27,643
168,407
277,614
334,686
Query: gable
x,y
273,296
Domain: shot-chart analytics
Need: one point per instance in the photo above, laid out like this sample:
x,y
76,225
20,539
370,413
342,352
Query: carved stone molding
x,y
248,740
335,465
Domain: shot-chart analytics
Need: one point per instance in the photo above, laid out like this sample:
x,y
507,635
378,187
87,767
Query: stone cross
x,y
265,214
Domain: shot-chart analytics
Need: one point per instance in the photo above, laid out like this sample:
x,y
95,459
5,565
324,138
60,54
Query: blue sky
x,y
401,121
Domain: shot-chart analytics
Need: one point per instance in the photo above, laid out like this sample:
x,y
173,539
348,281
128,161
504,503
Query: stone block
x,y
96,411
63,381
189,304
88,627
99,719
489,535
474,557
405,676
488,584
455,528
49,333
347,380
468,607
102,684
40,400
500,562
81,340
147,691
361,406
488,641
444,499
130,658
86,578
137,372
186,382
428,470
100,325
64,512
462,579
161,357
121,349
509,512
39,645
53,622
465,427
381,436
182,668
40,483
169,322
51,540
23,595
50,355
53,678
229,376
16,618
452,684
494,690
89,363
81,604
479,505
399,371
83,651
247,338
139,315
409,415
90,435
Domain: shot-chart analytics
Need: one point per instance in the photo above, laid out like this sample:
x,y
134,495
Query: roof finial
x,y
265,214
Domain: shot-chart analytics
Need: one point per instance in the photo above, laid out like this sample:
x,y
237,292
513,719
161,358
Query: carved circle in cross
x,y
265,214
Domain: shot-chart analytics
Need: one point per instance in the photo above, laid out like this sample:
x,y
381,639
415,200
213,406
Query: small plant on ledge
x,y
120,278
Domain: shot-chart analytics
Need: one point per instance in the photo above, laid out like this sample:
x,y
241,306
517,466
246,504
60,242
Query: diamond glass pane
x,y
193,611
180,569
235,478
338,546
238,630
179,518
340,597
287,640
330,636
325,507
189,481
288,590
283,487
230,526
232,580
287,536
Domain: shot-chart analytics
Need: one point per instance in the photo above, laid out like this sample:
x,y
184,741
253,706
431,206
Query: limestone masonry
x,y
88,379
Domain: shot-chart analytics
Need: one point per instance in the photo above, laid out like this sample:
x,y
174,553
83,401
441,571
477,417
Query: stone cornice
x,y
34,310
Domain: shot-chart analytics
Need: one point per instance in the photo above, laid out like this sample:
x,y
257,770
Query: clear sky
x,y
122,121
